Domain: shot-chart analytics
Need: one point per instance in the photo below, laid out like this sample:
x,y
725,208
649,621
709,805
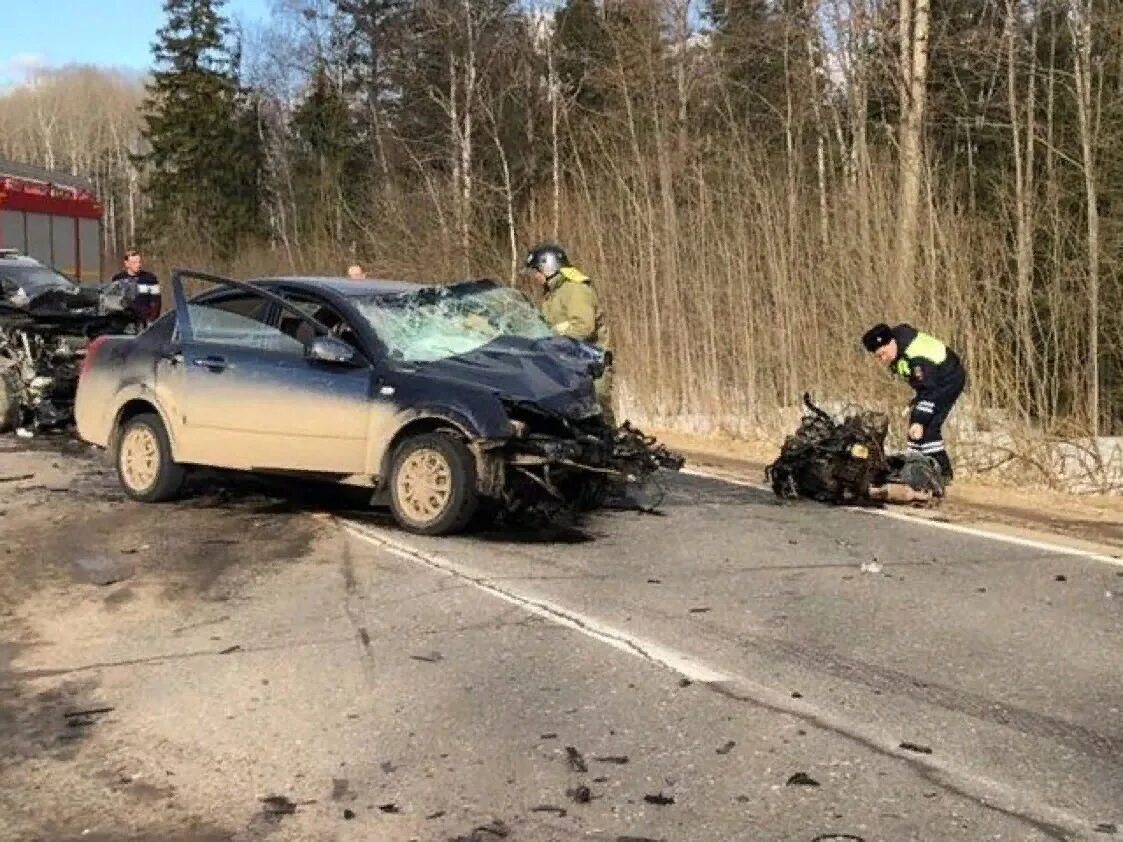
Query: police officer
x,y
141,288
572,307
936,374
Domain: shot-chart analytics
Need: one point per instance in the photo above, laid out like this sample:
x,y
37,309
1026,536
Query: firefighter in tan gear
x,y
572,307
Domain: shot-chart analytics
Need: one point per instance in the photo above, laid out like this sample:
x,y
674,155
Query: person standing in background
x,y
140,287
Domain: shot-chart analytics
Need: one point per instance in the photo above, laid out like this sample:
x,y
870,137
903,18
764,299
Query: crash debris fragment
x,y
916,748
801,779
845,462
278,805
659,799
575,759
580,794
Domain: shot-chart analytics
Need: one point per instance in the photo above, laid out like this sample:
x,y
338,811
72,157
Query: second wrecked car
x,y
443,400
46,323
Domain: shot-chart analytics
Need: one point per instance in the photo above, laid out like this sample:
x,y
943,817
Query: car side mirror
x,y
329,349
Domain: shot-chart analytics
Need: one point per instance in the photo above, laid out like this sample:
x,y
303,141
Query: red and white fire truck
x,y
52,217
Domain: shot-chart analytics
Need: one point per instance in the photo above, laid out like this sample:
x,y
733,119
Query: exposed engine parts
x,y
41,353
844,462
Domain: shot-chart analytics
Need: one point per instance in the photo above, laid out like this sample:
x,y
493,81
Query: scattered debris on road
x,y
348,814
229,650
580,794
1060,577
728,747
431,658
796,694
871,566
576,761
1107,827
483,833
560,812
550,736
433,816
684,682
801,779
915,748
699,610
389,808
387,767
659,799
278,805
84,718
619,760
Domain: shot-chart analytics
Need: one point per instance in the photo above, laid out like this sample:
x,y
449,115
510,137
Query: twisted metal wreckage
x,y
45,329
845,462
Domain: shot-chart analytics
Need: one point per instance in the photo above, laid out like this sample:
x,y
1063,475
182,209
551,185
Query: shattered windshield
x,y
436,323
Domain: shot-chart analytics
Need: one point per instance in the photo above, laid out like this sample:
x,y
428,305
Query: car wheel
x,y
144,461
433,485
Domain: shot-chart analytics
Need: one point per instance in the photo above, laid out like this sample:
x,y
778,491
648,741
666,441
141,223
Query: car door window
x,y
239,321
303,329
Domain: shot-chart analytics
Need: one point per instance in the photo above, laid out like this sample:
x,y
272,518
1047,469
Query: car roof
x,y
13,257
347,286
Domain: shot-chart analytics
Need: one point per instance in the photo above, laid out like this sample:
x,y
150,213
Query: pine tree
x,y
205,154
328,161
584,52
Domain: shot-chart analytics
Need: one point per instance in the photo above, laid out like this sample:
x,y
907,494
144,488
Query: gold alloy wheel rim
x,y
140,458
424,485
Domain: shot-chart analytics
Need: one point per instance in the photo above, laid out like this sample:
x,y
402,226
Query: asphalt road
x,y
723,671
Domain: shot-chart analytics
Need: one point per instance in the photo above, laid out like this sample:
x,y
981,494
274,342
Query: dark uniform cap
x,y
876,337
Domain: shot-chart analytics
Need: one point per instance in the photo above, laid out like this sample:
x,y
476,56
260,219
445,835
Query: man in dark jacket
x,y
935,373
140,288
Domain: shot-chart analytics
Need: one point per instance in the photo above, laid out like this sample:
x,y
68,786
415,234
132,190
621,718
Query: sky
x,y
114,33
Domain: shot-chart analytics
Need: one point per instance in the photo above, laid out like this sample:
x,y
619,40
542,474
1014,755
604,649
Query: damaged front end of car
x,y
43,341
554,466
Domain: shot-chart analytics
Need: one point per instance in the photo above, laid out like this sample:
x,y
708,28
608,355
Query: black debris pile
x,y
659,799
845,462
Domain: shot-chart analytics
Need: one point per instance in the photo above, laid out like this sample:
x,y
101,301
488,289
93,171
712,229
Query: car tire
x,y
433,485
143,457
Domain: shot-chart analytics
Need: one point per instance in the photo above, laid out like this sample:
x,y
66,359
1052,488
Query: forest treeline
x,y
751,182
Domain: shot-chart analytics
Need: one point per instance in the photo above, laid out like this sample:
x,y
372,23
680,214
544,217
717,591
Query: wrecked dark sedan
x,y
46,323
446,401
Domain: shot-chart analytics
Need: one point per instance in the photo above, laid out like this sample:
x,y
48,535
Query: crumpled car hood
x,y
550,373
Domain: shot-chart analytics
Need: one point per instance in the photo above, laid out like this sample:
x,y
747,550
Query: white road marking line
x,y
986,791
542,607
1031,543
